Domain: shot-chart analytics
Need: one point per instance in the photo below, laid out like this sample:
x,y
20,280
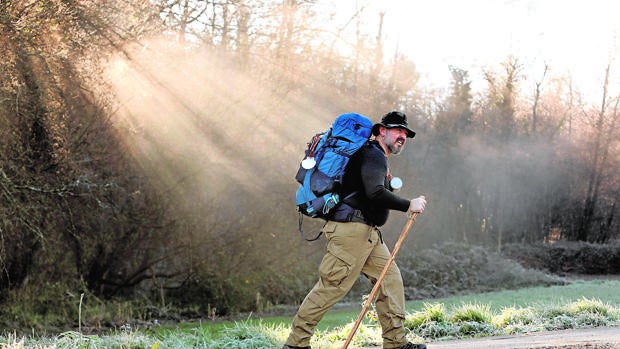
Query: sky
x,y
573,37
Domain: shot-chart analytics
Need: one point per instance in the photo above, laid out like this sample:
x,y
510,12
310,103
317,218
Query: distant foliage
x,y
453,268
569,257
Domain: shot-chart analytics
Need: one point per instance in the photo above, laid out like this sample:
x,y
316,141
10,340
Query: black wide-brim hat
x,y
393,119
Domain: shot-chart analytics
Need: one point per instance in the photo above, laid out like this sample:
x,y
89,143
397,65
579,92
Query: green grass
x,y
601,289
580,304
495,301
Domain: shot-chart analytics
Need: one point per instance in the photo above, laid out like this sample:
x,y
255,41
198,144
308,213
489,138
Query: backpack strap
x,y
301,229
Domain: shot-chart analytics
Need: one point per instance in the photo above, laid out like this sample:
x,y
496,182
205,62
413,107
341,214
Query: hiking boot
x,y
292,347
412,346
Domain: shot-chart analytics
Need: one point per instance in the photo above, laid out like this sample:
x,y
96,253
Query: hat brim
x,y
375,129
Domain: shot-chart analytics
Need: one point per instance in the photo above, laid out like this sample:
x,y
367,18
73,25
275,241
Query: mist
x,y
224,142
223,145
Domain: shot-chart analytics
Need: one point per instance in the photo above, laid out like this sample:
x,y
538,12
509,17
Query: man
x,y
355,244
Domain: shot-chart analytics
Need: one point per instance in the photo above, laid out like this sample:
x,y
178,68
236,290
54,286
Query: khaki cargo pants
x,y
353,248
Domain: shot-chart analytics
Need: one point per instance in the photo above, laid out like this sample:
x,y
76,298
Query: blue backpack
x,y
322,169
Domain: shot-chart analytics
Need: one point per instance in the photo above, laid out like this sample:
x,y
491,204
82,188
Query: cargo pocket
x,y
336,265
328,229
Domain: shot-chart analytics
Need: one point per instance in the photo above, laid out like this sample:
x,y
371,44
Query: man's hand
x,y
417,205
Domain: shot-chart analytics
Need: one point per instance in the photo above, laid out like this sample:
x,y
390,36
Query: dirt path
x,y
599,337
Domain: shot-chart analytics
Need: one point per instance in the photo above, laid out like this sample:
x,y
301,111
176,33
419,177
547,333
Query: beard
x,y
395,148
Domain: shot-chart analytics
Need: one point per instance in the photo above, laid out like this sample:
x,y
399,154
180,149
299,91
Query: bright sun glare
x,y
574,38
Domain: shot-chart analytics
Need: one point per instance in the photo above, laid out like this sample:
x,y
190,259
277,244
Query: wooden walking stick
x,y
375,289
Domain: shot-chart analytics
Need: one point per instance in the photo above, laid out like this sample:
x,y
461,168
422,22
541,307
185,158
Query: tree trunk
x,y
600,150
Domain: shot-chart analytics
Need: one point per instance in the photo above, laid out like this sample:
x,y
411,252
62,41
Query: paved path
x,y
599,337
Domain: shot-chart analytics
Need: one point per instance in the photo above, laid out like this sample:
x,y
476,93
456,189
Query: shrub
x,y
455,268
568,257
585,305
215,295
57,307
561,322
364,336
472,313
516,316
433,329
475,328
207,294
435,312
243,336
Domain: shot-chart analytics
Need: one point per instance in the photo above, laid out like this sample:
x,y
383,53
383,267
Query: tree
x,y
183,15
71,208
605,133
535,104
457,117
502,92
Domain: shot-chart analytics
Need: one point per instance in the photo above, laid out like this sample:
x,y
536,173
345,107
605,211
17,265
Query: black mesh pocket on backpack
x,y
321,183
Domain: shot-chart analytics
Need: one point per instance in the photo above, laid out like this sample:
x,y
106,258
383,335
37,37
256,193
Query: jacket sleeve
x,y
374,171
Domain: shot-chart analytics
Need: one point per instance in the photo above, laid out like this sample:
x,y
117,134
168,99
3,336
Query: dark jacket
x,y
365,185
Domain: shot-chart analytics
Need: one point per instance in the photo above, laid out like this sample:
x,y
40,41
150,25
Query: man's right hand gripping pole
x,y
416,205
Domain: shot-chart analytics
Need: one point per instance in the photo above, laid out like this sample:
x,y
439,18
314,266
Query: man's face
x,y
395,139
